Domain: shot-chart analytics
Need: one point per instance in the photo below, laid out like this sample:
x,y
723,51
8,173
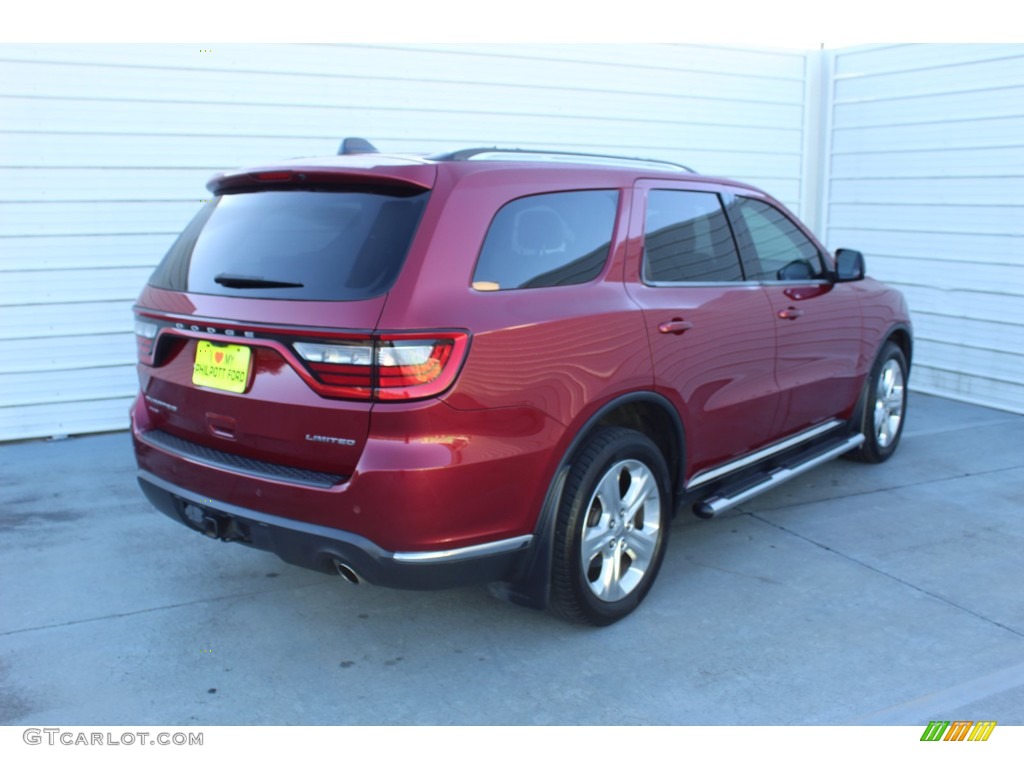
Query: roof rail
x,y
494,153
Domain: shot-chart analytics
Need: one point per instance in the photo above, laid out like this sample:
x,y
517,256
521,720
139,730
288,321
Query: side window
x,y
687,239
561,238
773,246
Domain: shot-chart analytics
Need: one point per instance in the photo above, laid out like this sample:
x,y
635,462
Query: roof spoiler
x,y
353,145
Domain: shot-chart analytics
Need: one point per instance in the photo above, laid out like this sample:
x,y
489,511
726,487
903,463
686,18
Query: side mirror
x,y
849,265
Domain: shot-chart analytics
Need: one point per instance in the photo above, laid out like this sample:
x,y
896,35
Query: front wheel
x,y
885,405
612,527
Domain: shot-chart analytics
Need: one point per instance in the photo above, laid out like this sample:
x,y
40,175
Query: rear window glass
x,y
294,244
560,238
687,239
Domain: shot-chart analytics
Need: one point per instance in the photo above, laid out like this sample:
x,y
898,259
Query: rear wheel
x,y
612,528
885,405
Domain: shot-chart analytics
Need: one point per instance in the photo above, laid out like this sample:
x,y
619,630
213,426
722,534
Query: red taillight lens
x,y
413,368
274,176
345,367
382,366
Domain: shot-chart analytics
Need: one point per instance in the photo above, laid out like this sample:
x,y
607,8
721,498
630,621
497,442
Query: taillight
x,y
388,367
273,176
379,366
145,333
346,368
414,368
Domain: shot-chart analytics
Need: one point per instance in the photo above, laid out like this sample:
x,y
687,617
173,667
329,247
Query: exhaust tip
x,y
346,572
211,527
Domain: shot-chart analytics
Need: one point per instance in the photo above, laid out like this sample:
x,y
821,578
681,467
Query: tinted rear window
x,y
558,238
687,239
312,245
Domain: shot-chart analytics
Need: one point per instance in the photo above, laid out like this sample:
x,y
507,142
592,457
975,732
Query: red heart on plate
x,y
218,356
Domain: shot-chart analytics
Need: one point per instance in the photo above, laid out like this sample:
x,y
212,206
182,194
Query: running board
x,y
717,504
753,458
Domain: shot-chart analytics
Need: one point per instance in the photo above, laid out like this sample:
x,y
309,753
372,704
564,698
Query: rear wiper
x,y
246,281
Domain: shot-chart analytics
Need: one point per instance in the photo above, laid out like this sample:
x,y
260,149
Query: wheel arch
x,y
901,335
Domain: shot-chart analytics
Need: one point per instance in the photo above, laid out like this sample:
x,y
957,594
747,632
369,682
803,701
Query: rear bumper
x,y
320,548
428,478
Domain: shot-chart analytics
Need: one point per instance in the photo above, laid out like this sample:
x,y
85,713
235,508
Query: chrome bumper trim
x,y
465,553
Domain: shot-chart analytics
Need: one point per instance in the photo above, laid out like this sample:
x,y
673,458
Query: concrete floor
x,y
856,594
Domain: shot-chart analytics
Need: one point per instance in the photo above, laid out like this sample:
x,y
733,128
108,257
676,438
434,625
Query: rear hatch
x,y
256,331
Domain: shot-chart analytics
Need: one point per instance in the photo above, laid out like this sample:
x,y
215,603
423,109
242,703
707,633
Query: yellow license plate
x,y
221,366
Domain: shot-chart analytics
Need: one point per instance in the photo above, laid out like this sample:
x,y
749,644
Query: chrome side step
x,y
745,461
715,505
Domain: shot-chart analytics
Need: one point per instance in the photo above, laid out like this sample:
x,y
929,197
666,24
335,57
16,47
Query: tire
x,y
885,406
612,528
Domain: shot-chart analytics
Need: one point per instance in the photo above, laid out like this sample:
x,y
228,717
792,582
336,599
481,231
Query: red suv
x,y
499,366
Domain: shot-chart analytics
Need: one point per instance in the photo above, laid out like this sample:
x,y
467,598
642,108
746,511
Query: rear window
x,y
559,238
687,239
295,244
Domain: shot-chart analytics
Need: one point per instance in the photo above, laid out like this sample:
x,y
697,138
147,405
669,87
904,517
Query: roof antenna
x,y
353,145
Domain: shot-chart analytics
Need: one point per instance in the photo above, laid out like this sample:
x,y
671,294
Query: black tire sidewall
x,y
603,450
871,450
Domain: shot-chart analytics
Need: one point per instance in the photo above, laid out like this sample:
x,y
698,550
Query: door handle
x,y
675,326
790,314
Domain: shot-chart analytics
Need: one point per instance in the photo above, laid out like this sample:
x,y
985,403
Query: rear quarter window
x,y
559,238
295,244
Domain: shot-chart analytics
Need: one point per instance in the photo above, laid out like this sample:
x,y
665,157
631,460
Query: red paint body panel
x,y
819,363
427,478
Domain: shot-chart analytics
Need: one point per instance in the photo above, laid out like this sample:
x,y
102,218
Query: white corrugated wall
x,y
926,176
105,150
